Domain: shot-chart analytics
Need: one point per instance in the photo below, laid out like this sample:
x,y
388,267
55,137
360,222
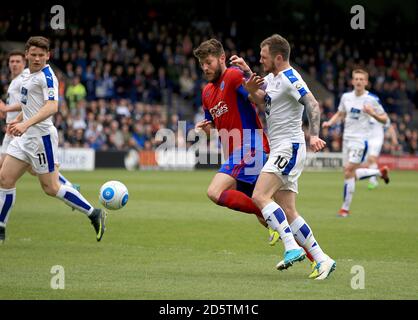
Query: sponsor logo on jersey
x,y
219,109
51,93
298,86
222,85
355,113
24,95
267,102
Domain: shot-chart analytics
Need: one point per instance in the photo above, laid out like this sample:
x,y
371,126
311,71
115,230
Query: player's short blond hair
x,y
39,42
277,45
209,47
360,71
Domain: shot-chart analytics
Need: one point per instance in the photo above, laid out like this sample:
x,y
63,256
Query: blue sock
x,y
63,180
74,199
7,200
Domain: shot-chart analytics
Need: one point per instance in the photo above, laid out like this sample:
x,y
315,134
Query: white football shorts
x,y
287,162
375,145
354,151
6,141
41,152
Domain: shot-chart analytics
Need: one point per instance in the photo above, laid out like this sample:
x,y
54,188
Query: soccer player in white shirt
x,y
357,108
284,97
12,107
36,141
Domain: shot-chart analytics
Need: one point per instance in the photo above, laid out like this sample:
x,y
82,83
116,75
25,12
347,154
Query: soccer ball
x,y
113,195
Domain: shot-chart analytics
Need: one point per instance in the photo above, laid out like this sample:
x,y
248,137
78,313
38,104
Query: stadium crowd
x,y
118,90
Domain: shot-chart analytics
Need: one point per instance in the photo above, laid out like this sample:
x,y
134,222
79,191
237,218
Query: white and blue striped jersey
x,y
283,109
357,125
37,88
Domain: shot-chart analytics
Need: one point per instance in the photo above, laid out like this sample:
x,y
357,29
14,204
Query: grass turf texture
x,y
171,242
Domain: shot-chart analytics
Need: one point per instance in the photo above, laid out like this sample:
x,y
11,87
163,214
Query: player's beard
x,y
269,68
217,74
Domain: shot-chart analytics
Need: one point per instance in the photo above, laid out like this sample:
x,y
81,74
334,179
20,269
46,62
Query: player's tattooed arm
x,y
313,112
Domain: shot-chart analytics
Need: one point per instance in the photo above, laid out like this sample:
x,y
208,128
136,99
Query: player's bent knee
x,y
32,172
213,194
6,182
50,190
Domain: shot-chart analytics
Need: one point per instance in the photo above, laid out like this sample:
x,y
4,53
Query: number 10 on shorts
x,y
281,162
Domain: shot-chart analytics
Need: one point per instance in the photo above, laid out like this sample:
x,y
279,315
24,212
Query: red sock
x,y
308,255
236,200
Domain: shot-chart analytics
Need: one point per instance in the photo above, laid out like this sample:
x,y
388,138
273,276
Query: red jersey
x,y
226,104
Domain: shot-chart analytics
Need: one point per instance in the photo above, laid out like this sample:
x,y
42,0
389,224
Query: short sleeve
x,y
49,85
236,77
297,87
341,106
208,116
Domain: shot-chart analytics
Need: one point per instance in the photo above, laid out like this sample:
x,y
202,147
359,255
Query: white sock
x,y
276,219
304,236
373,179
349,187
7,201
64,180
74,199
364,173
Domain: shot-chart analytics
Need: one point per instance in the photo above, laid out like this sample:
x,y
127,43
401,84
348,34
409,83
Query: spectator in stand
x,y
76,91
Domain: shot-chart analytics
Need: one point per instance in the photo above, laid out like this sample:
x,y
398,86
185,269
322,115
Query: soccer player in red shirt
x,y
228,109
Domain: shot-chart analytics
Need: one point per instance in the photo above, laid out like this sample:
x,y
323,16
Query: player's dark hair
x,y
210,47
277,45
16,53
39,42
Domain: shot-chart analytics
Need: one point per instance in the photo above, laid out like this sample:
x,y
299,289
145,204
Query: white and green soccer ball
x,y
113,195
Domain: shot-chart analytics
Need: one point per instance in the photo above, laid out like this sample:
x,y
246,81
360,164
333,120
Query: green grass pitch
x,y
171,242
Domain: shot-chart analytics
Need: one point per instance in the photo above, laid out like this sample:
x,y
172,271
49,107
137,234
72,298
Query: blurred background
x,y
127,70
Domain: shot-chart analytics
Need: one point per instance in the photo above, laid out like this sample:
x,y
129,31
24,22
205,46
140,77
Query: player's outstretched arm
x,y
10,107
252,85
382,117
50,108
336,117
314,116
393,136
240,63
